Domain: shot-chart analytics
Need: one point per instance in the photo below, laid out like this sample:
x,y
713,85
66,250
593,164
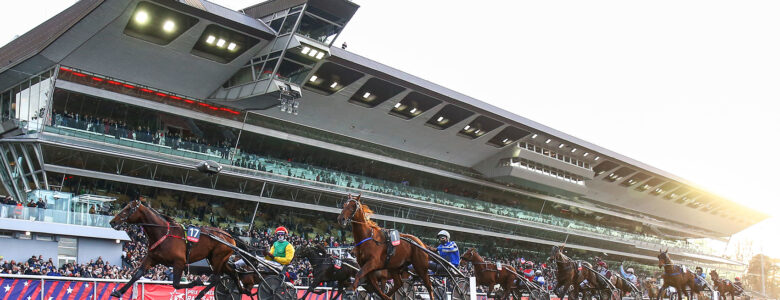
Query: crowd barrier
x,y
26,287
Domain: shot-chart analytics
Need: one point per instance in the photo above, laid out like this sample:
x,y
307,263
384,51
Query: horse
x,y
324,270
650,287
567,274
724,286
675,276
489,275
371,250
169,247
592,278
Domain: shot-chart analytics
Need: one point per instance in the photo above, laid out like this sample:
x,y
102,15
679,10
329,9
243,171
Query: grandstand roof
x,y
435,122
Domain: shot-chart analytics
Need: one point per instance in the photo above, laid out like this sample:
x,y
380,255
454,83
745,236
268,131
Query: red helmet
x,y
736,278
602,263
281,229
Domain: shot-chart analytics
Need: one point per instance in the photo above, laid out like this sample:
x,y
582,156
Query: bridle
x,y
125,215
358,206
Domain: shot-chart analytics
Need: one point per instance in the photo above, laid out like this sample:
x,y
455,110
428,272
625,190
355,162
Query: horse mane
x,y
367,212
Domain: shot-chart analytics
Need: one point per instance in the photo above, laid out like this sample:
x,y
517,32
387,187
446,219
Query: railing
x,y
53,215
292,171
54,287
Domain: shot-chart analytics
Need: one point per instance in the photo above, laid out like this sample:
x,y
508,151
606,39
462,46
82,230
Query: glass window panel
x,y
289,23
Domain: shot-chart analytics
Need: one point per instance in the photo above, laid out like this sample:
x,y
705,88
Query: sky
x,y
690,87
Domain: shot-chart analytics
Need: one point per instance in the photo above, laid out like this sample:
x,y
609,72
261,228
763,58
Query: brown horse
x,y
169,249
650,287
487,273
567,274
723,286
371,250
598,283
675,276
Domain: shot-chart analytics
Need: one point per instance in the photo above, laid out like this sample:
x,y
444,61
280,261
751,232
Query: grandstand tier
x,y
107,102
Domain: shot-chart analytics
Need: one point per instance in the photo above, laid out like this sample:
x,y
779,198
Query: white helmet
x,y
444,233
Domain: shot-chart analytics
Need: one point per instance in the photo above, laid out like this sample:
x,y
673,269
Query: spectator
x,y
41,209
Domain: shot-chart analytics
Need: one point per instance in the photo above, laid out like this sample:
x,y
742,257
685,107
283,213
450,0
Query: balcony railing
x,y
54,216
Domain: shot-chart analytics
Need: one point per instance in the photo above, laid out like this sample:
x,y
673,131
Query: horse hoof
x,y
116,294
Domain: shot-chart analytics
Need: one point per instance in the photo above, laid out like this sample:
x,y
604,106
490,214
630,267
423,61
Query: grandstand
x,y
108,102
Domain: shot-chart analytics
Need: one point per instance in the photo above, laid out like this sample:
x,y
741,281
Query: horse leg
x,y
369,267
213,280
661,291
397,284
421,267
178,268
313,285
140,271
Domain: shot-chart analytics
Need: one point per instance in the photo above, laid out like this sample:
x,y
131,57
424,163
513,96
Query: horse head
x,y
663,258
130,214
714,275
471,255
557,253
350,209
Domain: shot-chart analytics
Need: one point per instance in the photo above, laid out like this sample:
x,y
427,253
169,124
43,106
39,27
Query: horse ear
x,y
358,198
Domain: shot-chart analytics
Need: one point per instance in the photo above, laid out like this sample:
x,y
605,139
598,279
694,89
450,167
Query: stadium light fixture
x,y
320,55
210,40
506,140
26,233
117,241
414,109
313,78
232,46
547,141
467,127
169,26
440,119
597,158
572,150
220,43
586,154
305,50
534,136
366,95
561,146
477,131
313,52
334,85
397,105
141,17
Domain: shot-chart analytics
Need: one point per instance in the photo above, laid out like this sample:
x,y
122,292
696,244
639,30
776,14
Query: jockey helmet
x,y
443,233
281,229
736,278
630,270
538,272
602,264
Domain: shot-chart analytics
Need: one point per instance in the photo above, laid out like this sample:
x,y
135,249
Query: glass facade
x,y
105,120
27,101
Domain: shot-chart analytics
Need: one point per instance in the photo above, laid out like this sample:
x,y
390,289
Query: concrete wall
x,y
17,249
92,248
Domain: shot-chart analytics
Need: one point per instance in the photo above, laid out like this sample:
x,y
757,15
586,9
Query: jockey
x,y
602,268
629,274
282,251
447,249
699,277
539,278
528,270
738,283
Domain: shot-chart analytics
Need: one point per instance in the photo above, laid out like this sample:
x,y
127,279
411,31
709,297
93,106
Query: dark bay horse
x,y
488,275
723,286
567,274
371,250
675,276
324,270
169,249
